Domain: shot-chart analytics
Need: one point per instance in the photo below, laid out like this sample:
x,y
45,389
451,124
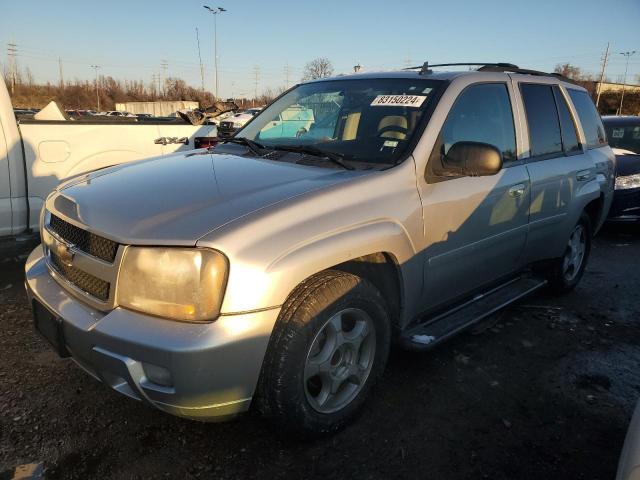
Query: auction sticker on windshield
x,y
398,101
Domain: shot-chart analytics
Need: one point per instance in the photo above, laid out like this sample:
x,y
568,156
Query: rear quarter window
x,y
589,118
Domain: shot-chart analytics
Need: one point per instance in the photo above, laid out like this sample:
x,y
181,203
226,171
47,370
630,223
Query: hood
x,y
626,163
176,199
240,117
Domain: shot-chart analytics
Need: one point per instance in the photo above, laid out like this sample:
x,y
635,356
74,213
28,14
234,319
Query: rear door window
x,y
589,118
569,134
545,139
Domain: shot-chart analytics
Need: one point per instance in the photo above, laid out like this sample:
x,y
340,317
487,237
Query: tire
x,y
564,273
306,361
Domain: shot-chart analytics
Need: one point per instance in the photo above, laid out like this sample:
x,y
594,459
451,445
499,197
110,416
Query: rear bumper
x,y
213,367
625,205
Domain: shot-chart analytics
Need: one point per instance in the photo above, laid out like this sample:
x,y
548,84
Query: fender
x,y
271,287
585,194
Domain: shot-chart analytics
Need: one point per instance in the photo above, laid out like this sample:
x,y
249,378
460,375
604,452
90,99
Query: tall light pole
x,y
624,82
215,12
200,59
96,67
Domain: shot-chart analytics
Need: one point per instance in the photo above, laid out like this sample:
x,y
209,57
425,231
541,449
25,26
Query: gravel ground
x,y
544,389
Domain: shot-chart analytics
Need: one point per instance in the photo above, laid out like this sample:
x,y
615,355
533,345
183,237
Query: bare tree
x,y
318,68
570,71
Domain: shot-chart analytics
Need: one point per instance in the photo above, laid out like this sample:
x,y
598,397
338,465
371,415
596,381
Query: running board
x,y
433,331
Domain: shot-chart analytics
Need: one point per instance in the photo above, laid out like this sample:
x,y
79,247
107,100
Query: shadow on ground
x,y
542,390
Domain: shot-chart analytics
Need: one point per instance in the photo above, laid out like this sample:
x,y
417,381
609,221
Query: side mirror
x,y
473,159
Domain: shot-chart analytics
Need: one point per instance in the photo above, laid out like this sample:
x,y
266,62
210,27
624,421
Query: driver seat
x,y
393,126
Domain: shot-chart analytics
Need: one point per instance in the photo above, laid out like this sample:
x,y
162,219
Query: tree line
x,y
609,100
82,94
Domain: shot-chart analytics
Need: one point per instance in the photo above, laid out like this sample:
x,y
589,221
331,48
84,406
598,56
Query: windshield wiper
x,y
253,146
334,157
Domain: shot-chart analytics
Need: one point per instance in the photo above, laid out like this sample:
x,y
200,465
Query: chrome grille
x,y
83,280
88,242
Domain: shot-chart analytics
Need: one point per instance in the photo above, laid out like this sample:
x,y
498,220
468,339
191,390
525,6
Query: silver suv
x,y
276,269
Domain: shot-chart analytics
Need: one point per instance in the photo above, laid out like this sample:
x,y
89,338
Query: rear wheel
x,y
329,347
564,273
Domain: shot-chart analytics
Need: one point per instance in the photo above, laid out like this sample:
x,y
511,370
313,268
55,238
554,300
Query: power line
x,y
12,53
605,59
164,66
256,80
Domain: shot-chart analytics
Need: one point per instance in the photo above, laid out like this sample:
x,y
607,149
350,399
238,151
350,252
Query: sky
x,y
130,39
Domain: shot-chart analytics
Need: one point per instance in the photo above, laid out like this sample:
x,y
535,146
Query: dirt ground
x,y
543,390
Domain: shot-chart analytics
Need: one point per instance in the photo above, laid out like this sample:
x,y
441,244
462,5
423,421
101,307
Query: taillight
x,y
205,142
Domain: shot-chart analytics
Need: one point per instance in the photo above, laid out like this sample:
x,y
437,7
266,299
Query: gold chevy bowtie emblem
x,y
65,253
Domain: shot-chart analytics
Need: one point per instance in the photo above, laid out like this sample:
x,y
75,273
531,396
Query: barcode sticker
x,y
398,101
617,133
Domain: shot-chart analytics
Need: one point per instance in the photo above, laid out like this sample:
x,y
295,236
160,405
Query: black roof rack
x,y
425,68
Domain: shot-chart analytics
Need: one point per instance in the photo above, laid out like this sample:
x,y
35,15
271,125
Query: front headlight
x,y
628,181
178,283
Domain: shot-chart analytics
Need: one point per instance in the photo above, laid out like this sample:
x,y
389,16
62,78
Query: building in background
x,y
617,87
157,109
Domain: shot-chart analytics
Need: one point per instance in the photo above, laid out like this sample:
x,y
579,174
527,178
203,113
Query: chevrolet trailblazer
x,y
275,269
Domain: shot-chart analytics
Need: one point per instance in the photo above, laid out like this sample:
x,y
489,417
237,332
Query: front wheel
x,y
564,273
328,348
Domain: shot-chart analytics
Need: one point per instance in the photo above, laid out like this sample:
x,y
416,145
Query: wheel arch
x,y
381,252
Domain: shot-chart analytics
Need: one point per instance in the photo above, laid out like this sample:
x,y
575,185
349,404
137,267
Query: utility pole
x,y
200,58
604,66
215,12
164,66
96,67
624,82
61,74
256,80
12,53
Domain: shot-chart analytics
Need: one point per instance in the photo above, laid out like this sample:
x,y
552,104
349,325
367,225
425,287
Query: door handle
x,y
517,190
583,175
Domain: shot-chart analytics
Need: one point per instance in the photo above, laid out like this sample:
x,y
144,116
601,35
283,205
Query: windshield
x,y
366,120
625,137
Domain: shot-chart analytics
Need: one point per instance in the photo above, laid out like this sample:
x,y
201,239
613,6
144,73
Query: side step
x,y
432,331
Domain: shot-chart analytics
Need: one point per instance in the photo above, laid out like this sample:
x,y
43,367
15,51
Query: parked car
x,y
624,137
629,463
229,125
276,270
35,155
75,114
114,113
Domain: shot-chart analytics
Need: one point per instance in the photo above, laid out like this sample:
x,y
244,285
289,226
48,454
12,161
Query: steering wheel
x,y
394,129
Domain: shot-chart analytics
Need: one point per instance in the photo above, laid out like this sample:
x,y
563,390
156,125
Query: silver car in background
x,y
275,269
